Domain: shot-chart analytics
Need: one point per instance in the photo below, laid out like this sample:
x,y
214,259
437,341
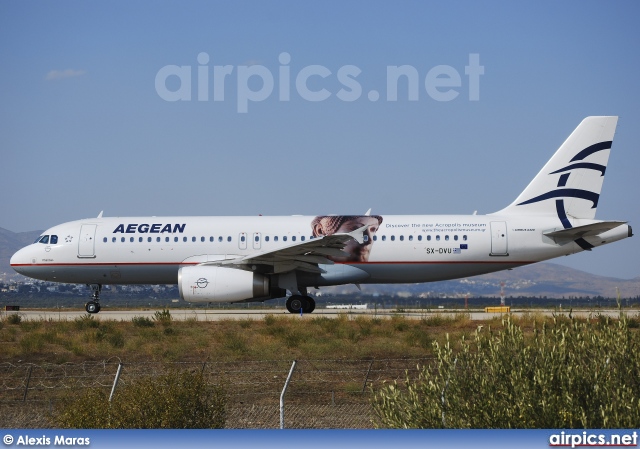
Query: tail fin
x,y
569,184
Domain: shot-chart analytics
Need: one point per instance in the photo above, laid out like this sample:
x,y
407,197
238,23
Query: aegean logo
x,y
256,82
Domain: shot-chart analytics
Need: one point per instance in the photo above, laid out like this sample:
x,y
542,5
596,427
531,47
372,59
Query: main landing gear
x,y
297,302
93,306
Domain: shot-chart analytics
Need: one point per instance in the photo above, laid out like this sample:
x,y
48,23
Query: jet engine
x,y
204,283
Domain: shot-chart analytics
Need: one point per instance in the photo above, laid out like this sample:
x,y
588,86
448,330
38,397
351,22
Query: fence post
x,y
26,388
366,378
284,390
115,381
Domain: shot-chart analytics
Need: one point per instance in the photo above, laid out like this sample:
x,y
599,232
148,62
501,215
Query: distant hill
x,y
10,242
542,279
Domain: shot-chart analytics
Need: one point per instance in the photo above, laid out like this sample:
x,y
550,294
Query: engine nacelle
x,y
219,284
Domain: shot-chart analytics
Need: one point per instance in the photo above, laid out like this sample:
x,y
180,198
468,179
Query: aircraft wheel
x,y
310,304
92,307
295,303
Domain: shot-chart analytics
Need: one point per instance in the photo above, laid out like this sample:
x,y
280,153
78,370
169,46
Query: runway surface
x,y
258,314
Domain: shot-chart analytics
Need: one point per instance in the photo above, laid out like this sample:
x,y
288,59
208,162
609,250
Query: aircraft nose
x,y
19,260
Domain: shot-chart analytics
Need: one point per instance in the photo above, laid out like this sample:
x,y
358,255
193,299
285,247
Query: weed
x,y
142,321
400,323
32,342
31,325
15,318
353,335
86,322
116,339
175,400
419,338
163,317
235,342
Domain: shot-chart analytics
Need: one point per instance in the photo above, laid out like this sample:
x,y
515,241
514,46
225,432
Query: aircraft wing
x,y
584,231
304,256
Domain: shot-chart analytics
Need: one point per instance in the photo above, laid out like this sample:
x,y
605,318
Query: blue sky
x,y
84,128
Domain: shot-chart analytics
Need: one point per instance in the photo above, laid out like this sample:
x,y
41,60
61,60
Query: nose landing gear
x,y
93,306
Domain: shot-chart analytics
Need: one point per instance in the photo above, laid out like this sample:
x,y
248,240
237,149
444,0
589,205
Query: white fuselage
x,y
404,248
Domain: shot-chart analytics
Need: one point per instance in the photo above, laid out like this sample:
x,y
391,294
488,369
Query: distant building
x,y
349,306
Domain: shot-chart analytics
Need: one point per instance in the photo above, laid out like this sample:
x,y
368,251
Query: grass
x,y
273,338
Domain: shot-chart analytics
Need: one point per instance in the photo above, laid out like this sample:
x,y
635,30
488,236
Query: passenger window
x,y
157,239
122,239
393,238
464,237
293,239
375,238
384,238
428,238
302,238
140,239
148,239
211,239
166,239
184,239
455,237
220,239
193,239
419,238
284,238
266,239
410,238
175,239
242,239
54,239
104,240
446,237
275,239
202,239
228,238
257,238
402,238
438,237
131,239
113,240
365,238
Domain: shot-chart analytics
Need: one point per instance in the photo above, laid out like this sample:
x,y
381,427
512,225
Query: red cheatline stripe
x,y
519,262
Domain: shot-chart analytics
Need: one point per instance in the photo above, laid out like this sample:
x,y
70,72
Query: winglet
x,y
100,214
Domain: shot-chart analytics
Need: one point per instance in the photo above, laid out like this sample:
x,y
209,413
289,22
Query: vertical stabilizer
x,y
569,184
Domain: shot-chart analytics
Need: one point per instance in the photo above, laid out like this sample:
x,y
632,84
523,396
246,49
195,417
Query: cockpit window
x,y
44,239
54,239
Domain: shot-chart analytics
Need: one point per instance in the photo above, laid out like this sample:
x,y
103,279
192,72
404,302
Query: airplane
x,y
243,259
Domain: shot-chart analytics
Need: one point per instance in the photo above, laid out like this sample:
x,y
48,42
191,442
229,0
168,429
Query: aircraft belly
x,y
397,273
106,274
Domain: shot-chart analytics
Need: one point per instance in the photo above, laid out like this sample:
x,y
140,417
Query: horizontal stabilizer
x,y
584,231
